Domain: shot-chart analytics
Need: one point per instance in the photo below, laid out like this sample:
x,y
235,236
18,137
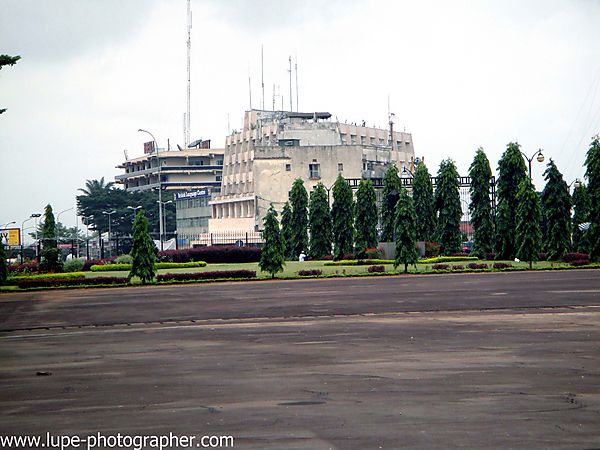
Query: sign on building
x,y
11,236
192,194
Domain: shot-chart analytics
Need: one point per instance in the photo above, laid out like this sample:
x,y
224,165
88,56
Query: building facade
x,y
274,148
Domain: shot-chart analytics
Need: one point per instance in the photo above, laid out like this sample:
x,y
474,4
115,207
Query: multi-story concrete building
x,y
274,148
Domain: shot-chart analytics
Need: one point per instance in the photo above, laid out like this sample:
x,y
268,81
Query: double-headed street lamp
x,y
160,216
161,206
537,155
109,213
32,216
58,221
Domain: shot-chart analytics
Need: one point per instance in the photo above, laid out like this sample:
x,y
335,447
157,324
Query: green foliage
x,y
46,276
143,250
6,60
299,222
447,199
158,265
480,207
441,259
73,265
422,195
511,172
286,231
389,197
124,259
581,214
272,258
358,262
51,259
528,236
3,265
592,173
405,224
556,204
365,223
342,217
319,220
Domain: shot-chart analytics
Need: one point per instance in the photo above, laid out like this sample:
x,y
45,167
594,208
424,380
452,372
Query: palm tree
x,y
95,187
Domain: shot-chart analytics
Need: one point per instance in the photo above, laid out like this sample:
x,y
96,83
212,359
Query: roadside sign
x,y
10,236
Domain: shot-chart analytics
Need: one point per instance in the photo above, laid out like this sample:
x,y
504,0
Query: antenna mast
x,y
290,71
189,49
262,76
296,66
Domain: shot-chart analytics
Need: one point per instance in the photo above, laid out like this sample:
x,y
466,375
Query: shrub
x,y
490,256
23,269
502,265
328,258
159,265
542,256
349,256
212,254
569,257
310,273
441,259
96,262
56,281
475,266
432,249
440,267
458,267
358,262
373,269
50,275
580,262
124,259
73,265
459,255
206,275
373,253
110,267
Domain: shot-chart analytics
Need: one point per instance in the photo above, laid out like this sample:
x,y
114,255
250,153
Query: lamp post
x,y
32,216
58,221
576,183
87,237
537,155
160,218
109,213
161,207
134,208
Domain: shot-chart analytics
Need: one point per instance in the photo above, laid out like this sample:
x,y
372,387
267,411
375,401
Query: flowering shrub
x,y
206,275
373,269
328,258
432,249
569,257
580,262
373,253
440,267
460,254
502,265
310,272
349,256
23,269
458,267
96,262
441,259
475,266
490,256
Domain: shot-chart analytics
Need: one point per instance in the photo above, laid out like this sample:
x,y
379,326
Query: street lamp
x,y
161,207
160,218
407,172
576,183
85,220
134,208
32,216
58,221
539,158
8,223
109,213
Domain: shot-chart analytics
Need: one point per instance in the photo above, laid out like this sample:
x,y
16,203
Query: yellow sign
x,y
10,236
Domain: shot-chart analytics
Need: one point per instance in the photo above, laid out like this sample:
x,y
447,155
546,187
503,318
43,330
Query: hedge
x,y
53,282
213,254
45,276
570,257
159,265
358,262
206,275
442,259
374,269
310,272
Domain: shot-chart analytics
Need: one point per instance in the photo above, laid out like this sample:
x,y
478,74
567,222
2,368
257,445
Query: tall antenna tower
x,y
262,77
296,67
189,50
290,71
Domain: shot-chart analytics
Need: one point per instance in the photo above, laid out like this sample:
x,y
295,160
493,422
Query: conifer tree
x,y
528,236
405,224
342,217
299,222
3,265
319,220
556,210
448,206
480,207
286,231
581,214
424,202
272,258
592,173
51,260
143,250
390,193
365,222
511,171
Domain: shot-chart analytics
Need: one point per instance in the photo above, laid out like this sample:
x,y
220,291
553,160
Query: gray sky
x,y
459,75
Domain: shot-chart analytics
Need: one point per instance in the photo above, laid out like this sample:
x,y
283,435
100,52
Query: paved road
x,y
477,361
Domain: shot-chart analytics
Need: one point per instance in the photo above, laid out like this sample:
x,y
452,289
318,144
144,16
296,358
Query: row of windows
x,y
192,202
192,222
372,140
314,169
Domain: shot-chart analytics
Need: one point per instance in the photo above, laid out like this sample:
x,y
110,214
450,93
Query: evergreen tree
x,y
51,260
581,214
365,222
319,220
424,201
143,250
286,231
271,257
511,171
7,60
592,173
342,217
480,206
299,222
391,191
405,224
528,236
3,265
448,206
556,203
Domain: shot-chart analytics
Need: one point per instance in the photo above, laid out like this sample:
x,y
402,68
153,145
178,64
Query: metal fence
x,y
239,238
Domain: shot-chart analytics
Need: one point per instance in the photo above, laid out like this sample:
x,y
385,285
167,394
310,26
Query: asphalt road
x,y
507,360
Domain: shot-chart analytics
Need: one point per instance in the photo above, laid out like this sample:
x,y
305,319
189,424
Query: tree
x,y
143,252
528,236
581,214
51,260
3,265
592,173
272,257
511,172
480,207
319,221
556,207
286,231
424,202
342,217
448,206
365,222
390,193
405,223
6,60
299,222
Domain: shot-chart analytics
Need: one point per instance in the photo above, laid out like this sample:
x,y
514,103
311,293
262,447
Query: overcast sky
x,y
458,74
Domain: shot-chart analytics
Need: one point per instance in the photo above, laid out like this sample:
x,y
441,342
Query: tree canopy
x,y
286,231
424,203
480,207
272,258
51,260
342,217
449,209
405,223
389,197
6,60
556,203
143,252
299,220
581,215
365,221
528,236
319,221
592,173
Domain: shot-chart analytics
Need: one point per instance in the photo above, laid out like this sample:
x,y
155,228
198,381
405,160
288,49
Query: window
x,y
219,162
314,171
343,137
363,140
288,167
353,139
218,178
340,167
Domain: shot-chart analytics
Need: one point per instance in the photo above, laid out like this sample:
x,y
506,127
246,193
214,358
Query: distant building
x,y
274,148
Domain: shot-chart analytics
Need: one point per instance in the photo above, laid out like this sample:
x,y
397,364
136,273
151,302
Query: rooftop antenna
x,y
296,67
249,87
189,49
262,76
273,96
290,71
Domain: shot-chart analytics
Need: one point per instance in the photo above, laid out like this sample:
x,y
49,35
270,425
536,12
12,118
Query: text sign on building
x,y
148,147
11,236
193,194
